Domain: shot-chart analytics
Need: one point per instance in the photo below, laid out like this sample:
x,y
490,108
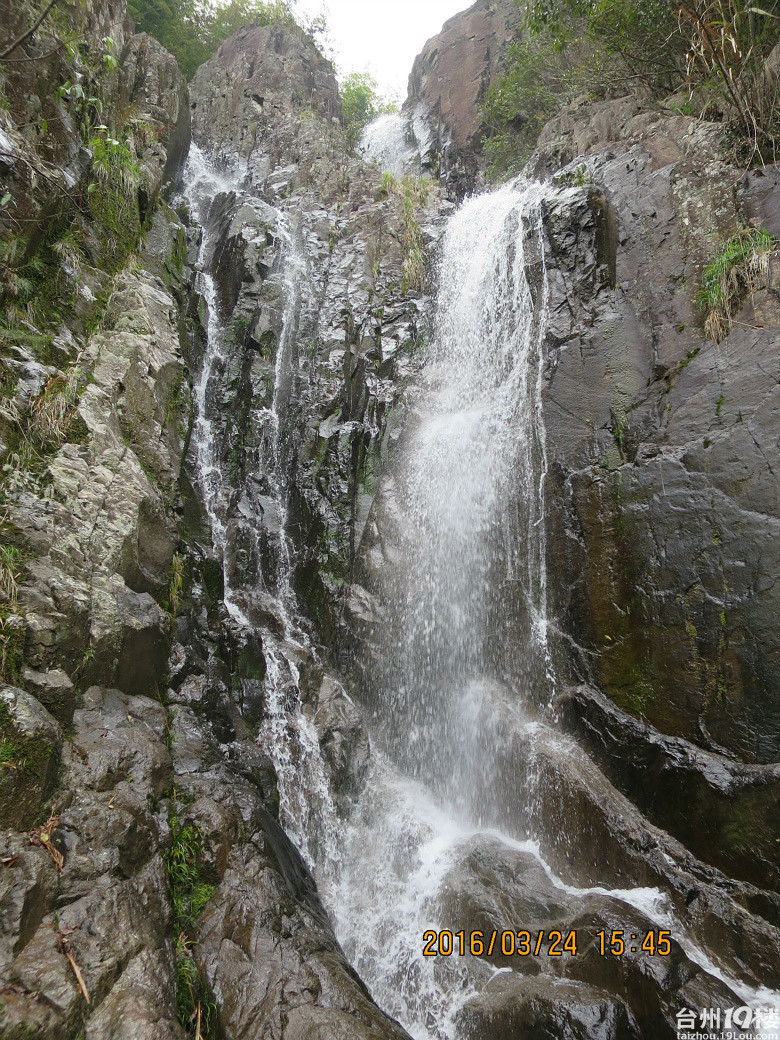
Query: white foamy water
x,y
471,471
384,141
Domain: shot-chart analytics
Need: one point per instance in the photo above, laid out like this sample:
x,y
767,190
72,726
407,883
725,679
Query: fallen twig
x,y
43,835
63,940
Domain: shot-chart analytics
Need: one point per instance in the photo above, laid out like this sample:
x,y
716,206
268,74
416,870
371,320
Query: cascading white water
x,y
203,182
470,489
290,739
384,141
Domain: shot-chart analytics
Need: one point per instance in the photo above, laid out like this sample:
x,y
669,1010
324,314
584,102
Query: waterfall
x,y
384,141
470,480
286,735
203,182
466,656
471,488
466,652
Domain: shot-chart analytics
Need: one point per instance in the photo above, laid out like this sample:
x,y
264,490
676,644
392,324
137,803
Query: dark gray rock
x,y
548,1010
109,907
30,742
150,80
661,497
492,888
725,812
54,690
266,945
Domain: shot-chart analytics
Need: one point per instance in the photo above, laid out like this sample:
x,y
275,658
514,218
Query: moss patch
x,y
28,772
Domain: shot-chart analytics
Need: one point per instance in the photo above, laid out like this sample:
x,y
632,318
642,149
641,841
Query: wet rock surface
x,y
104,907
449,79
723,810
661,493
139,695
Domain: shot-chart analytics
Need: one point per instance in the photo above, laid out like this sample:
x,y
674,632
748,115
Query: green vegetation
x,y
177,582
740,268
701,57
10,559
36,434
413,192
42,260
536,82
190,893
360,104
192,31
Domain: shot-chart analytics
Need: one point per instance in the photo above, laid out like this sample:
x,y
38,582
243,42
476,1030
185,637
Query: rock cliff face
x,y
200,522
108,563
449,79
661,494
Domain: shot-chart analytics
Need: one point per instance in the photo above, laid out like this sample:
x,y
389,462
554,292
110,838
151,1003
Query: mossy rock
x,y
12,641
30,744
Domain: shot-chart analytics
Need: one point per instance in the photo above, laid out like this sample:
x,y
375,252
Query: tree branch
x,y
26,35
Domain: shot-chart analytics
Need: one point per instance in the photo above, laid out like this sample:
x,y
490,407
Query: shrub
x,y
520,102
740,268
717,46
360,104
189,894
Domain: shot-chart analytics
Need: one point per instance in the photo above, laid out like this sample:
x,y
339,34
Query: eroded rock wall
x,y
131,772
661,492
447,84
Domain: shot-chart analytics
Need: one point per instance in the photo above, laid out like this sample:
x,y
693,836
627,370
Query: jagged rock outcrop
x,y
102,541
448,81
58,98
358,323
661,495
144,650
263,84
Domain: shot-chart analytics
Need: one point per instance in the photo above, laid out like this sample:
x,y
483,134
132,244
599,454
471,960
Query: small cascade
x,y
385,141
286,735
203,181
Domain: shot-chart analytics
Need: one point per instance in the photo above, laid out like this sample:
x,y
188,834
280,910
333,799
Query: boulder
x,y
30,743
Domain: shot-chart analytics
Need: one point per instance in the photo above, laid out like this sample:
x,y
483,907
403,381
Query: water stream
x,y
385,142
466,656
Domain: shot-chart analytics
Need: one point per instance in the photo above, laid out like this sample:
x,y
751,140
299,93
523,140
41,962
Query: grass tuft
x,y
190,892
739,269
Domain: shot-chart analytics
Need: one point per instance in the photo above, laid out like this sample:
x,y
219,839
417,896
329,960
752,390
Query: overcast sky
x,y
383,39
